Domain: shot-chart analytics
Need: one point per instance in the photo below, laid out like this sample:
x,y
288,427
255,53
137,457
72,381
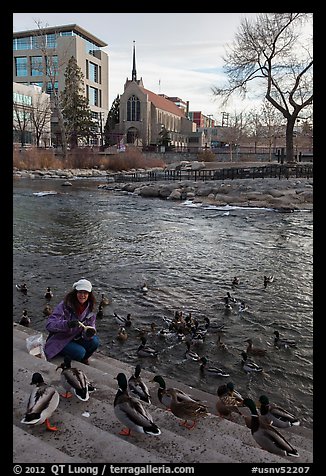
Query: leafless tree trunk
x,y
267,51
50,69
40,117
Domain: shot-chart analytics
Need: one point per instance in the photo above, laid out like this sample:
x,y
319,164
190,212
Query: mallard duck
x,y
144,288
251,350
48,294
226,404
146,351
211,370
186,410
227,308
221,345
282,342
164,394
22,288
230,298
266,436
268,280
249,365
73,380
137,387
47,310
122,335
100,312
42,402
105,301
190,354
275,415
242,307
123,321
234,393
131,412
25,320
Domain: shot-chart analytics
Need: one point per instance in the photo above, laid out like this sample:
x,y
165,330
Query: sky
x,y
177,54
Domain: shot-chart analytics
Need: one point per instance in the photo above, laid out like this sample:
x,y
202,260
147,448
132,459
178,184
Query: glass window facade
x,y
22,43
49,88
21,66
36,65
93,96
93,72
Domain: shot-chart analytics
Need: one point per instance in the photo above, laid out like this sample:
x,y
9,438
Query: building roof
x,y
165,104
56,29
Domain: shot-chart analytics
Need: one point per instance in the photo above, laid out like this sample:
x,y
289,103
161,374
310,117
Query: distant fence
x,y
267,171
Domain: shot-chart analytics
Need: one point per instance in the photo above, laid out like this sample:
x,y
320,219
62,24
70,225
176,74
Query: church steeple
x,y
134,72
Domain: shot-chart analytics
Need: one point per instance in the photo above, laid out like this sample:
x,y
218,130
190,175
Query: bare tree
x,y
22,120
268,51
233,133
50,69
40,118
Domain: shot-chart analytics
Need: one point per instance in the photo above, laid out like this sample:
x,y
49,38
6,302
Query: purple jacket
x,y
59,332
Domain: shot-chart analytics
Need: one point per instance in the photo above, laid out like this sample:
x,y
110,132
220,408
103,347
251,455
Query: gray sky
x,y
177,54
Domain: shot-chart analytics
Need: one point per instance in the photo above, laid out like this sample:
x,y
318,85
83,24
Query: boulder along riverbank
x,y
282,194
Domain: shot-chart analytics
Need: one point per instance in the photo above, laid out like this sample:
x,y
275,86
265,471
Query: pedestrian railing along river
x,y
267,171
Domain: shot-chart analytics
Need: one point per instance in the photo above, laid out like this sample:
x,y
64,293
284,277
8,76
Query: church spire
x,y
134,72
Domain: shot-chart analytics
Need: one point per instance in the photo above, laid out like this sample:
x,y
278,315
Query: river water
x,y
188,256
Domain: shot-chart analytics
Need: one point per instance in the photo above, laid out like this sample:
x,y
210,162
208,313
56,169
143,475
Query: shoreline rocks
x,y
280,194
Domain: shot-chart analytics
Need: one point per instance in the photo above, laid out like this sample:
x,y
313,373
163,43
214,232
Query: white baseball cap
x,y
83,285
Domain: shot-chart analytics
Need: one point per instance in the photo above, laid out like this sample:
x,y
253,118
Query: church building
x,y
144,115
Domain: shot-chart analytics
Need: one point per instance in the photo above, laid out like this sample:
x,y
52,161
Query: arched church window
x,y
133,109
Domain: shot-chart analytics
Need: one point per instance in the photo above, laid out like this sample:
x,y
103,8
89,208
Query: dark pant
x,y
81,349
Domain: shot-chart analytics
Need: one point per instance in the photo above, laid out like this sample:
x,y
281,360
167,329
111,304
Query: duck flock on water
x,y
133,399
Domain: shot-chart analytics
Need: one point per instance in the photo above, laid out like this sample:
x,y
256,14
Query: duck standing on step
x,y
226,404
42,403
186,410
266,436
165,394
131,412
275,415
137,387
74,381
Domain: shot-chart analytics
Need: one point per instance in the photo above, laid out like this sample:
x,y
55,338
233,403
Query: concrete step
x,y
103,371
32,449
102,430
233,440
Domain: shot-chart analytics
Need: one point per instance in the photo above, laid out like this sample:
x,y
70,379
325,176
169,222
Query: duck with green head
x,y
131,412
164,394
275,415
266,436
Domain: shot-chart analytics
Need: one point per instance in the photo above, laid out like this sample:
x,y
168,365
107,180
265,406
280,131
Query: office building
x,y
40,58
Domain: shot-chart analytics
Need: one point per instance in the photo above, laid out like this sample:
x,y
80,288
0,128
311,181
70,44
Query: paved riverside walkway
x,y
89,431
